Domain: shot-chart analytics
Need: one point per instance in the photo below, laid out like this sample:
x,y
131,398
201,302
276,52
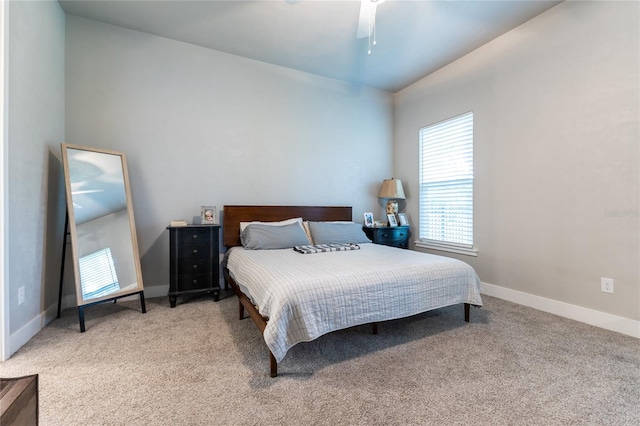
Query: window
x,y
446,185
98,274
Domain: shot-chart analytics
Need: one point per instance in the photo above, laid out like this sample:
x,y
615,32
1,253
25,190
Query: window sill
x,y
459,250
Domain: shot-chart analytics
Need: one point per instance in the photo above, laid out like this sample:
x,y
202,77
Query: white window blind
x,y
446,182
98,274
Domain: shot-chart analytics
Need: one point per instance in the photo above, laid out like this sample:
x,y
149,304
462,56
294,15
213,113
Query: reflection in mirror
x,y
101,224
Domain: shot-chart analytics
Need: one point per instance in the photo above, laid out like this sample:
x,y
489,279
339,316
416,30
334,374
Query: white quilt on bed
x,y
306,296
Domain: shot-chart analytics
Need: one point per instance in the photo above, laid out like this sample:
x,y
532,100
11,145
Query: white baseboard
x,y
30,329
578,313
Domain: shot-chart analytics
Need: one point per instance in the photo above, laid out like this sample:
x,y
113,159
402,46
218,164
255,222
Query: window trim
x,y
452,247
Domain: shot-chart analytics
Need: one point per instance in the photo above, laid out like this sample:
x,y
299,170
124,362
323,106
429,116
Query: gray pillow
x,y
268,237
337,233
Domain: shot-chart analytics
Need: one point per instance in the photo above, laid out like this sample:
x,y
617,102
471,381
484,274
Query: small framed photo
x,y
208,215
392,220
402,218
368,219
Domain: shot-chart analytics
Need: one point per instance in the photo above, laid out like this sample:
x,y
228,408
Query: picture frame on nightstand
x,y
392,220
402,218
368,219
208,215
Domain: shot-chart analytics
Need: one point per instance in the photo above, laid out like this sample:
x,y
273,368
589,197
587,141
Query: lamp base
x,y
392,207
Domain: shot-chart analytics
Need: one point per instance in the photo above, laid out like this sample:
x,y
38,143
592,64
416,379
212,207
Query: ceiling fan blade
x,y
367,18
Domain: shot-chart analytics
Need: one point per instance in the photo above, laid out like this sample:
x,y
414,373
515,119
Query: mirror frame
x,y
74,236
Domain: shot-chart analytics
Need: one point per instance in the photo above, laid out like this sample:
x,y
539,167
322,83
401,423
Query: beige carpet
x,y
198,365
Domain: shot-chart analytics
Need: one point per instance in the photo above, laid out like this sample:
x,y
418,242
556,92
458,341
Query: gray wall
x,y
35,130
556,113
201,127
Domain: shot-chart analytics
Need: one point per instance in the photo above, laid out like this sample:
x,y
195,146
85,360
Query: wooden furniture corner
x,y
19,401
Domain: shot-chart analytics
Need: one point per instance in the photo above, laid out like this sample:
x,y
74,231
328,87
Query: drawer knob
x,y
195,267
195,251
385,235
195,236
195,281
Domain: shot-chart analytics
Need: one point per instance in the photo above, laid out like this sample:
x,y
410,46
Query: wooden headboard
x,y
233,215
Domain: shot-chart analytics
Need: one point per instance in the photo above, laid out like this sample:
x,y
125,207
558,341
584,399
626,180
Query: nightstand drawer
x,y
194,237
190,267
194,253
389,234
195,282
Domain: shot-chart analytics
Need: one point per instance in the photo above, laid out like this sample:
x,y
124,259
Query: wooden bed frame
x,y
233,215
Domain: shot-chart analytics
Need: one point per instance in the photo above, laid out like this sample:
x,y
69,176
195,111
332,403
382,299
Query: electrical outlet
x,y
20,295
606,285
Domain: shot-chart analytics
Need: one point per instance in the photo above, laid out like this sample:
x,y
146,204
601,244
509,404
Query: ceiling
x,y
414,38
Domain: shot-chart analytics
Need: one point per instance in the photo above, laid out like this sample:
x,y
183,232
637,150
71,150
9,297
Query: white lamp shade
x,y
392,188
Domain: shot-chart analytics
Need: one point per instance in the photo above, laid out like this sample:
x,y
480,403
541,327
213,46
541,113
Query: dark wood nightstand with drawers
x,y
195,265
394,236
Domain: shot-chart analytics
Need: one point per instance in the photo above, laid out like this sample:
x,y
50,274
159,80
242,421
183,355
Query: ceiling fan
x,y
367,21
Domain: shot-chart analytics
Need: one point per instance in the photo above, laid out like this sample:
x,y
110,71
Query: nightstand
x,y
396,236
194,263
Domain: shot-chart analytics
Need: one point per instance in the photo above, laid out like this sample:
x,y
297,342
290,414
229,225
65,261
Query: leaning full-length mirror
x,y
101,225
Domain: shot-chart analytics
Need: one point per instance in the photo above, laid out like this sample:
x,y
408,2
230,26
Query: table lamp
x,y
392,190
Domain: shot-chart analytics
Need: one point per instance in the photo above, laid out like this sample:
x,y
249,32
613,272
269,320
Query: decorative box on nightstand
x,y
394,236
194,266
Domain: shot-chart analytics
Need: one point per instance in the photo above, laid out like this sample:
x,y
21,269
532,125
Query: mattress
x,y
307,295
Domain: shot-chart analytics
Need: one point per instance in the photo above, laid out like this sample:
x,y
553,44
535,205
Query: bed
x,y
294,297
